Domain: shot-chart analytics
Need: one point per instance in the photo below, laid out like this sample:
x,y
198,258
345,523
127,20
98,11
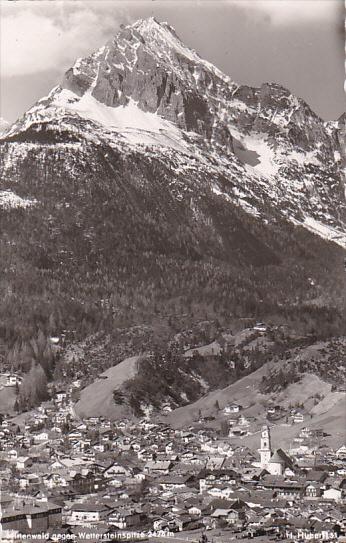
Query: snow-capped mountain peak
x,y
146,89
164,42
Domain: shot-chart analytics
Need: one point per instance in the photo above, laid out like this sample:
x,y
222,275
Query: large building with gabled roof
x,y
275,463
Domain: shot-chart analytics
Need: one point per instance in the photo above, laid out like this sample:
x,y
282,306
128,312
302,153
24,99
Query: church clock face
x,y
265,437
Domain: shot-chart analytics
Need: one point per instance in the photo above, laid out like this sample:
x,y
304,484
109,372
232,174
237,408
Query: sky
x,y
297,43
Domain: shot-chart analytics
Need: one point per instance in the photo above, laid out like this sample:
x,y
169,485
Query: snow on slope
x,y
136,125
325,231
265,156
129,122
10,200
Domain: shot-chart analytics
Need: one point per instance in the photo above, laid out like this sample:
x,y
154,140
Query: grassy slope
x,y
332,422
7,399
97,398
328,414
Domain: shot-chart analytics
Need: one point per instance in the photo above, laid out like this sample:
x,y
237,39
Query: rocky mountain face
x,y
4,126
148,173
164,95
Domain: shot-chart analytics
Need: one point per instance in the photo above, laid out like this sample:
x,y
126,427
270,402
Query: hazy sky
x,y
298,43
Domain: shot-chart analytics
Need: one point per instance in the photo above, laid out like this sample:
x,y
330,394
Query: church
x,y
275,463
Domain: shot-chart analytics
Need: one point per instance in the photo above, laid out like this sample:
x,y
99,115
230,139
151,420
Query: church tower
x,y
265,450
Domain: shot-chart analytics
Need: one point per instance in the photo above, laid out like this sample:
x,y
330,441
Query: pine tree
x,y
217,405
33,389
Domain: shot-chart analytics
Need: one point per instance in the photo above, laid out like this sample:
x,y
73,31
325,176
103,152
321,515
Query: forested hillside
x,y
152,189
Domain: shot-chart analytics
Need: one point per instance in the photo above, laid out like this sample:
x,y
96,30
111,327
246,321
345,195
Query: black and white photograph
x,y
172,271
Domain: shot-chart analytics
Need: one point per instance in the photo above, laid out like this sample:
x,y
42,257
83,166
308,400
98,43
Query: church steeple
x,y
265,450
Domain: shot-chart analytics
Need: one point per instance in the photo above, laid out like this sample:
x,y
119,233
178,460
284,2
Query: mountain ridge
x,y
265,132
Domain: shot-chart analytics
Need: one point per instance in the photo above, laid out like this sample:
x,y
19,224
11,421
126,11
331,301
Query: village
x,y
64,477
172,271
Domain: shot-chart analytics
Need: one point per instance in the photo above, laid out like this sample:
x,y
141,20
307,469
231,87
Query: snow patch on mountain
x,y
136,125
325,231
265,155
239,199
129,122
10,200
304,158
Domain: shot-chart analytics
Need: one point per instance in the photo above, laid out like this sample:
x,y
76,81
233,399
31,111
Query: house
x,y
34,518
41,436
274,409
30,479
245,421
163,467
237,432
23,462
12,380
333,494
341,452
283,488
127,518
12,455
87,484
116,469
195,510
298,418
186,522
221,478
232,515
307,432
88,513
105,425
236,518
187,437
161,523
145,455
232,408
54,480
60,396
275,412
313,491
170,482
260,327
100,447
316,476
215,463
220,491
75,434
